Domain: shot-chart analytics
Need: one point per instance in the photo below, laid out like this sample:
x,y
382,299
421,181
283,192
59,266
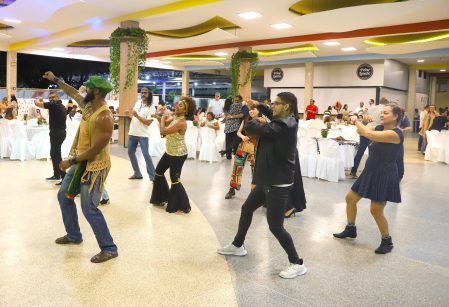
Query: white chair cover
x,y
156,144
209,150
330,167
71,130
308,155
221,138
5,139
22,149
191,138
435,150
41,143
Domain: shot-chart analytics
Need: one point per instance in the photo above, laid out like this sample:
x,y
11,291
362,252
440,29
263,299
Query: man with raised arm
x,y
88,167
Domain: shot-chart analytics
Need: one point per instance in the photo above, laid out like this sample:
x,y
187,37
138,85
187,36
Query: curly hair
x,y
191,107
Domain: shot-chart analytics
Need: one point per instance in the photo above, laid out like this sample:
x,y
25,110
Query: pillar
x,y
164,89
128,97
433,90
245,90
185,83
11,73
308,84
411,96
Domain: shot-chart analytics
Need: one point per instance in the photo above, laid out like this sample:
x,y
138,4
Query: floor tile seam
x,y
275,291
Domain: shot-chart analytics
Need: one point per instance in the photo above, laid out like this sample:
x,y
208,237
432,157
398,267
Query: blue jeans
x,y
89,203
364,142
132,147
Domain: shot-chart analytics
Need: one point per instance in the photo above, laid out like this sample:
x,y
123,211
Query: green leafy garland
x,y
236,61
138,43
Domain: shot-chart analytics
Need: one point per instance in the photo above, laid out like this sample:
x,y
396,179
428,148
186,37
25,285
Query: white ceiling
x,y
57,23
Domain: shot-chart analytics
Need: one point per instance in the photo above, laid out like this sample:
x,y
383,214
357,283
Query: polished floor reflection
x,y
170,260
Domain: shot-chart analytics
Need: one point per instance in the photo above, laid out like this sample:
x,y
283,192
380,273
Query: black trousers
x,y
175,196
232,142
276,199
57,137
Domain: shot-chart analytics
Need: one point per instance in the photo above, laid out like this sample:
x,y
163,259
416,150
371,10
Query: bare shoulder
x,y
105,118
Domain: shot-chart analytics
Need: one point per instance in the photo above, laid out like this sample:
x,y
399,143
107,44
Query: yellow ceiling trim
x,y
163,9
305,7
91,43
204,27
295,49
408,38
430,66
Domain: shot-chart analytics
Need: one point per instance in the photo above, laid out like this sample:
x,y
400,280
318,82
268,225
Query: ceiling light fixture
x,y
442,70
250,15
196,83
166,62
348,49
281,26
420,61
331,44
12,20
221,54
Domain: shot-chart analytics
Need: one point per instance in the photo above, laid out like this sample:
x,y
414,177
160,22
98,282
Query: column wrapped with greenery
x,y
236,60
138,43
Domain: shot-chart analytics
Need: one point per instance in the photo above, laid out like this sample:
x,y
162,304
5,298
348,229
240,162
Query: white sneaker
x,y
293,270
231,249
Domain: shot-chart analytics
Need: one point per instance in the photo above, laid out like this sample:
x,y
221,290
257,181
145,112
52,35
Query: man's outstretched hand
x,y
49,76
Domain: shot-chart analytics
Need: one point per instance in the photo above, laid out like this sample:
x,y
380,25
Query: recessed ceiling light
x,y
331,44
221,54
250,15
348,49
281,26
420,61
442,70
214,83
196,83
57,49
12,20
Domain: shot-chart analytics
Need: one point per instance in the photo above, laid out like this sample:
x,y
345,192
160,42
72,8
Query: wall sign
x,y
277,74
365,71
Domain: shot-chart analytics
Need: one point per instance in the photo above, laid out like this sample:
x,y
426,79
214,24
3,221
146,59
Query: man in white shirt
x,y
360,108
216,105
421,121
139,132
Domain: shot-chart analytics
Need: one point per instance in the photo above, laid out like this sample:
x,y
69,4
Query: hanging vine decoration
x,y
138,42
236,60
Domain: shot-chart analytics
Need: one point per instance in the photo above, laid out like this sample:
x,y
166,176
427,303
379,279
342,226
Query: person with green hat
x,y
88,166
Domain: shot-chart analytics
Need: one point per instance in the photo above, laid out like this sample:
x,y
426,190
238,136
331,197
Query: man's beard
x,y
89,97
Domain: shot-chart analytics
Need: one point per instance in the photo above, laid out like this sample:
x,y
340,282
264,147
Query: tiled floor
x,y
170,260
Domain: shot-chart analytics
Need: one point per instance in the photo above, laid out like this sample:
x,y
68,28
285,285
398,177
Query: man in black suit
x,y
274,178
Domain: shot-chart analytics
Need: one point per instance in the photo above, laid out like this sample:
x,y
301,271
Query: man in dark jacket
x,y
274,178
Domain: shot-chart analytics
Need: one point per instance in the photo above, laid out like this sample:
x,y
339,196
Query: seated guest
x,y
440,121
337,106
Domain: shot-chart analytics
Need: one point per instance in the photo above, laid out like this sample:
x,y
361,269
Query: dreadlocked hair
x,y
292,101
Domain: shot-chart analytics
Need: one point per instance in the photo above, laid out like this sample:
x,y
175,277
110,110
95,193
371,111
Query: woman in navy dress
x,y
379,181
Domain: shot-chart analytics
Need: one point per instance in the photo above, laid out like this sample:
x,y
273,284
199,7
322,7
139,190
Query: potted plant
x,y
138,43
236,60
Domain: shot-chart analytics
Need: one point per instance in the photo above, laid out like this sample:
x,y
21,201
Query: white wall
x,y
325,97
395,75
293,77
393,95
345,74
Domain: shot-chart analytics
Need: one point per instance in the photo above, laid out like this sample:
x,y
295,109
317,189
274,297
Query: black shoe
x,y
386,245
65,240
349,232
103,256
222,153
53,178
104,202
133,177
230,194
59,183
290,212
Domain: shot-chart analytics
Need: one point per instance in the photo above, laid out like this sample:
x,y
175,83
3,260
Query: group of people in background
x,y
430,119
9,108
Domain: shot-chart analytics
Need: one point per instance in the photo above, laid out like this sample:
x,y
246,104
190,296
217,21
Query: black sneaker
x,y
65,240
349,232
230,194
386,245
59,183
53,178
104,202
